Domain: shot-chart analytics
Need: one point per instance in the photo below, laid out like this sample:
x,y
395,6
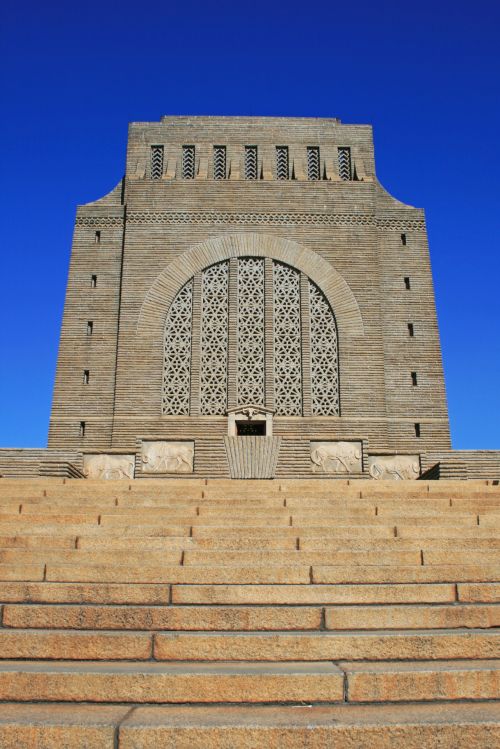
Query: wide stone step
x,y
372,645
418,574
57,644
473,725
301,557
248,618
405,682
249,682
166,617
61,681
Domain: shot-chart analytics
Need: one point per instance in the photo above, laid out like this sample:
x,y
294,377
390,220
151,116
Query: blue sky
x,y
426,75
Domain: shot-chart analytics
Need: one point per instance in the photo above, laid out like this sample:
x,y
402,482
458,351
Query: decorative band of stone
x,y
254,219
99,221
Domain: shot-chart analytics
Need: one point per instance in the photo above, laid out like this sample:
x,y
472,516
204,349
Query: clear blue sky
x,y
425,74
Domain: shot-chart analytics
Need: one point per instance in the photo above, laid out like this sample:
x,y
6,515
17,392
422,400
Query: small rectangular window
x,y
97,238
414,379
219,162
345,167
411,331
90,327
156,162
313,163
407,282
403,239
188,162
282,168
251,164
82,429
93,282
86,376
417,430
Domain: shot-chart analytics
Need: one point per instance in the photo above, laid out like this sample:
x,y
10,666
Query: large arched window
x,y
250,330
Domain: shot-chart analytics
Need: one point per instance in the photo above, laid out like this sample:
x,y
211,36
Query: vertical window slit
x,y
407,282
251,164
313,163
282,166
345,166
188,162
220,162
156,162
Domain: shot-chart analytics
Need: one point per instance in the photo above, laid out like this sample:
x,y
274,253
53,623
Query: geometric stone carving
x,y
177,363
336,457
396,467
252,457
104,466
167,457
287,341
324,355
250,321
256,319
214,339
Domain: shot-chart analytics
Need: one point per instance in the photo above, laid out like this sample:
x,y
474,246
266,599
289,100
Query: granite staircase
x,y
194,614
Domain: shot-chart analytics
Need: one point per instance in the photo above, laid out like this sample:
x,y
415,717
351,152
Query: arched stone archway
x,y
158,299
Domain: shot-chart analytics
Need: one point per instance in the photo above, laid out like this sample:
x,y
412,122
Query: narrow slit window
x,y
220,162
90,327
411,330
407,282
82,429
86,376
156,162
417,430
414,379
282,166
403,239
93,281
251,164
313,163
188,162
98,236
345,166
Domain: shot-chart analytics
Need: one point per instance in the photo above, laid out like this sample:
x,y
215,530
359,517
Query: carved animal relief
x,y
109,466
396,467
336,457
167,457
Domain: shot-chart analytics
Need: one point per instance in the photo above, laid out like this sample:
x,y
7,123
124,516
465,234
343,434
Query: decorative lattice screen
x,y
177,367
214,338
324,355
287,341
250,362
251,319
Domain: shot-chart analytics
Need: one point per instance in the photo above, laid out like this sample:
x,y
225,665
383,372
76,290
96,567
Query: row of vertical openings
x,y
251,165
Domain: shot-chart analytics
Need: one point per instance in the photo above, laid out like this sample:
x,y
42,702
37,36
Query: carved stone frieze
x,y
396,467
106,466
167,457
336,457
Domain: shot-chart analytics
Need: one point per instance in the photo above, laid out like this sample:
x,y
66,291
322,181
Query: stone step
x,y
37,542
63,644
392,574
364,557
61,681
92,556
405,682
106,593
479,592
93,529
177,542
326,543
483,556
168,574
248,618
335,531
240,618
459,725
411,617
372,645
321,594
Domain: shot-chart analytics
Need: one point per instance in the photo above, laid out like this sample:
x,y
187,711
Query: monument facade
x,y
250,278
